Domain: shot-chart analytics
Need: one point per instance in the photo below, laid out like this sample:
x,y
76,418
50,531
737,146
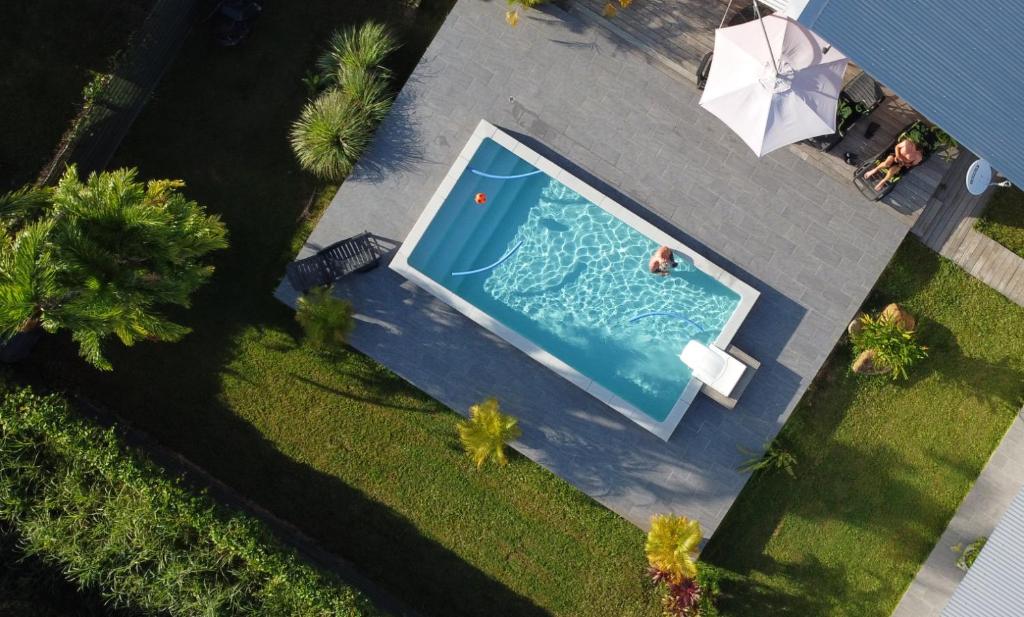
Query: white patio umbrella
x,y
774,82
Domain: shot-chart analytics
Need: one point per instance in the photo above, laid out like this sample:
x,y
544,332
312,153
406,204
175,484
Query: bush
x,y
326,320
671,544
113,522
357,51
774,458
330,135
486,432
890,345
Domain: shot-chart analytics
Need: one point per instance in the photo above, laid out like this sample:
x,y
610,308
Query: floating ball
x,y
481,198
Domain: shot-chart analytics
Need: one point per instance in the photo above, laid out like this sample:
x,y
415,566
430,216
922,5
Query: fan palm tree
x,y
486,432
671,543
99,258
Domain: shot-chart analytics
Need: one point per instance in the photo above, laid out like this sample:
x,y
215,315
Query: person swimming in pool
x,y
662,261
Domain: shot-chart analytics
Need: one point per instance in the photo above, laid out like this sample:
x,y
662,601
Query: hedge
x,y
113,522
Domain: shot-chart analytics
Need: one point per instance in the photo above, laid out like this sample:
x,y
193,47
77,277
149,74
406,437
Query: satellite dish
x,y
979,176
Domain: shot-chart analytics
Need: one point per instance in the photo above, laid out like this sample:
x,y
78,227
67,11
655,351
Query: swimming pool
x,y
560,271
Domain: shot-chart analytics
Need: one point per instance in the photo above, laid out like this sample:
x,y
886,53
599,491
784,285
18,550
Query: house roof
x,y
995,583
958,62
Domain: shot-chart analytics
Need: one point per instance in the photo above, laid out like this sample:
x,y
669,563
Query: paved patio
x,y
616,118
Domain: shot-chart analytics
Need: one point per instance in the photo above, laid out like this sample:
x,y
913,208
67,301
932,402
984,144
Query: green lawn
x,y
1003,219
48,48
882,465
343,449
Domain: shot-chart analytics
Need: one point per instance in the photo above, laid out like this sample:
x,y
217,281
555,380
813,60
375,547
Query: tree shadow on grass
x,y
859,488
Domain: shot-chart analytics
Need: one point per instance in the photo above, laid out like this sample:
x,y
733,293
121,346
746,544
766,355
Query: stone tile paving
x,y
609,114
993,491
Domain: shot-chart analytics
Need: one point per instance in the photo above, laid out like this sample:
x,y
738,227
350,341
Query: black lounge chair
x,y
921,133
356,254
861,96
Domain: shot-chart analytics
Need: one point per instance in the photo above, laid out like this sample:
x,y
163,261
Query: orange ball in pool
x,y
481,199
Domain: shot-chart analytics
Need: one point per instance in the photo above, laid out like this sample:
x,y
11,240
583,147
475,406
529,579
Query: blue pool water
x,y
573,280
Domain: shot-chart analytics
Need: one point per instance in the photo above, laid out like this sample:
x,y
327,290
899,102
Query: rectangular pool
x,y
560,271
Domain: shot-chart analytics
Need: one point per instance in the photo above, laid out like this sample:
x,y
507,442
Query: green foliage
x,y
326,320
486,432
315,83
330,135
99,258
337,125
895,347
355,51
114,523
969,553
671,544
774,458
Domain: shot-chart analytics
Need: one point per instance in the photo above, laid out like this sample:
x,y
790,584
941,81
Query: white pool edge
x,y
400,263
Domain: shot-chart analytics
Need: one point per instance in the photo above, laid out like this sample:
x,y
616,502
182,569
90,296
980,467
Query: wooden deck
x,y
677,33
947,226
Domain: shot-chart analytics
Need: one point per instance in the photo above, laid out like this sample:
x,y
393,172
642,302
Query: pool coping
x,y
664,428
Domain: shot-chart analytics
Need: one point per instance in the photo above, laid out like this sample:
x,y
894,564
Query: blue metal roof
x,y
958,62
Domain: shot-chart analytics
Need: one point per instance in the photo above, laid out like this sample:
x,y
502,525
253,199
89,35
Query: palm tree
x,y
486,432
99,258
671,543
326,320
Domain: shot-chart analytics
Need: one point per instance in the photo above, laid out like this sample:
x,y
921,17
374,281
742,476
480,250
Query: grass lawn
x,y
48,48
882,465
1003,219
344,449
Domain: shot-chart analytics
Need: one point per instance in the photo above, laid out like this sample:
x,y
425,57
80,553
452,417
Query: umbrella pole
x,y
725,15
757,11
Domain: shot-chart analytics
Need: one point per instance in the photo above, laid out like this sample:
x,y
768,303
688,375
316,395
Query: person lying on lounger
x,y
906,155
662,261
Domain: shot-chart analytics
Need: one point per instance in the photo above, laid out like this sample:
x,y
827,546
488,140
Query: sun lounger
x,y
920,133
356,254
725,374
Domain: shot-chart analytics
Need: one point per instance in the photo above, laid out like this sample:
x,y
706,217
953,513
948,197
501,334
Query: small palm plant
x,y
774,458
486,433
326,320
671,544
353,51
888,345
330,135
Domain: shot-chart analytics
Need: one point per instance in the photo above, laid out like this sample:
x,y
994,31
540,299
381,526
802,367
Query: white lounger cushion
x,y
713,367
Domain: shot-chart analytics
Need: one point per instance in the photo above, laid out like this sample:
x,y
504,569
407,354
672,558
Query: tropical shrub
x,y
330,135
774,458
100,258
114,523
352,85
357,51
885,344
326,320
486,433
671,544
969,553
